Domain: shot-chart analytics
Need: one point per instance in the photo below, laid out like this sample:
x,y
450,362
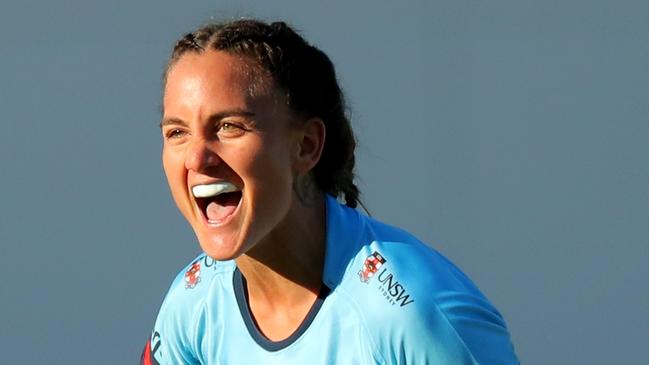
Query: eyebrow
x,y
212,118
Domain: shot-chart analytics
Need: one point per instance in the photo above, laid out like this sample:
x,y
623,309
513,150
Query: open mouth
x,y
217,201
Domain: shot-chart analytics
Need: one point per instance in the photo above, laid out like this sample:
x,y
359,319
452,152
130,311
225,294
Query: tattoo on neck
x,y
305,189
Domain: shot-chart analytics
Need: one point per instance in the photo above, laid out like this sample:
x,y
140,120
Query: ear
x,y
311,141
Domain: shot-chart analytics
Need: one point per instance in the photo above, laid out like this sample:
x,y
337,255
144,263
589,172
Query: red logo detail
x,y
371,265
193,275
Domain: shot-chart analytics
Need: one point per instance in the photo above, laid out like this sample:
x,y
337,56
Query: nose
x,y
200,157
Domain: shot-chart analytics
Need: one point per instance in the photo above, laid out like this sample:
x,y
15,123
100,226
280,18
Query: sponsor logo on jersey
x,y
193,275
392,290
371,265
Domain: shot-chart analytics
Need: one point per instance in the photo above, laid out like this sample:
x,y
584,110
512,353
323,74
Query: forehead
x,y
215,73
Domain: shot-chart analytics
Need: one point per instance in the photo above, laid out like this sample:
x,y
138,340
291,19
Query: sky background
x,y
510,135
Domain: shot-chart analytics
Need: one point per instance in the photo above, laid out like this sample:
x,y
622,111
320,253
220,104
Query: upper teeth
x,y
209,190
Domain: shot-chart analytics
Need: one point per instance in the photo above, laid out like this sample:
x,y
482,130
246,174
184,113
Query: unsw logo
x,y
393,291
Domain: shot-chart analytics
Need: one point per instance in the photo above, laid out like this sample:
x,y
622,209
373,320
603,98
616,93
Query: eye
x,y
174,133
229,129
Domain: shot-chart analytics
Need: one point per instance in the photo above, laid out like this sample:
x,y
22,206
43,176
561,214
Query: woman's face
x,y
227,154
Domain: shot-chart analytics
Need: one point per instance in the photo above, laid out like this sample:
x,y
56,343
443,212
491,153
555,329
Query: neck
x,y
285,269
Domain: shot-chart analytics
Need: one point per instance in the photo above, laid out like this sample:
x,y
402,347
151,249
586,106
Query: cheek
x,y
273,167
173,165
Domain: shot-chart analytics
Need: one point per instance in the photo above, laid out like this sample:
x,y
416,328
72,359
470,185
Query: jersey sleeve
x,y
478,326
464,331
435,314
454,327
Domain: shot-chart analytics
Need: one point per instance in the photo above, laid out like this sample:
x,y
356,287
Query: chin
x,y
220,248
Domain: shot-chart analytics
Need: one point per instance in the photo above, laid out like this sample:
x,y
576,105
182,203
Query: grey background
x,y
512,135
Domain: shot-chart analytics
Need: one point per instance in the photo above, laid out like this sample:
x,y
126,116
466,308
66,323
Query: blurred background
x,y
510,135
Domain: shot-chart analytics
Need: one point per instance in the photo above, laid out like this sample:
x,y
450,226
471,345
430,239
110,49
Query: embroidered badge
x,y
371,265
193,275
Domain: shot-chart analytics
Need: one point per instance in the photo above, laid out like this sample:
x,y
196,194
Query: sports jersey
x,y
387,299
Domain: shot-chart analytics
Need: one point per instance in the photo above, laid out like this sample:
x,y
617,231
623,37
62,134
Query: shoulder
x,y
192,284
418,306
177,327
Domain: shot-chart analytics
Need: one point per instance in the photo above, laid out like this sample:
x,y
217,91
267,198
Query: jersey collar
x,y
344,228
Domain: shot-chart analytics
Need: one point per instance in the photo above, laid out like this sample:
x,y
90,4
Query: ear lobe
x,y
311,144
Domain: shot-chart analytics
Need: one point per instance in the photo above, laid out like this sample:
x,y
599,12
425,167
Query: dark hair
x,y
305,75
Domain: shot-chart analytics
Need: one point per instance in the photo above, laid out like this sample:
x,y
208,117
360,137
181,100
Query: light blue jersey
x,y
389,299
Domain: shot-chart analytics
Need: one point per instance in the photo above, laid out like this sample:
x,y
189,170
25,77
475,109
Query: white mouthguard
x,y
210,190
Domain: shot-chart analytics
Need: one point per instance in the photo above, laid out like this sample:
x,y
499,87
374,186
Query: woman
x,y
259,155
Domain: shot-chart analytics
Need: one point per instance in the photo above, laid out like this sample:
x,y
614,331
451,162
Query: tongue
x,y
216,212
223,207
